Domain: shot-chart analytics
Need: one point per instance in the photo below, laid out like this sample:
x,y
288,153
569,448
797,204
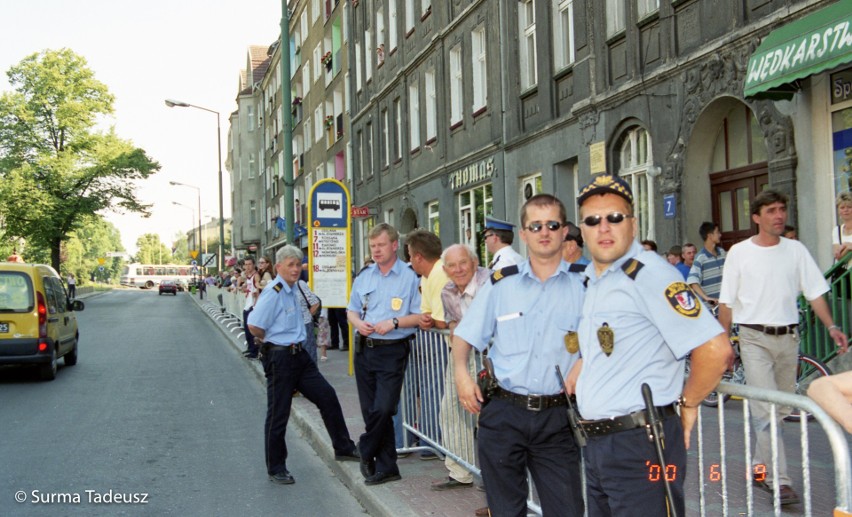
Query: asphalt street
x,y
160,411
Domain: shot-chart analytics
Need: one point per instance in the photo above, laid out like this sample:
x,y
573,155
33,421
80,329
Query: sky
x,y
146,52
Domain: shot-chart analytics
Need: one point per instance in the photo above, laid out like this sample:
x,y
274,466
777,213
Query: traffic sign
x,y
210,260
100,268
193,254
193,263
101,261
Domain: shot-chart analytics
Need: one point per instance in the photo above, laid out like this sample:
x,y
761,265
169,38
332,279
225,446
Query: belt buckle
x,y
369,343
531,406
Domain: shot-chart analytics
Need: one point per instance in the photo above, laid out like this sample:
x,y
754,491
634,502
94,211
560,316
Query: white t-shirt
x,y
761,283
505,257
838,231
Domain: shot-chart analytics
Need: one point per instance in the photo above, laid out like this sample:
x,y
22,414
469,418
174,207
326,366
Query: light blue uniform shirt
x,y
385,297
279,314
529,320
656,321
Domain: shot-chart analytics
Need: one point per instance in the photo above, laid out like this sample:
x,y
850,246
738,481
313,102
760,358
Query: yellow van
x,y
37,320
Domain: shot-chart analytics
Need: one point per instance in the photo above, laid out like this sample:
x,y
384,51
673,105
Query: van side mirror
x,y
75,305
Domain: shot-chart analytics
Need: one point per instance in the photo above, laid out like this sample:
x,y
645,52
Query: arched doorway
x,y
727,148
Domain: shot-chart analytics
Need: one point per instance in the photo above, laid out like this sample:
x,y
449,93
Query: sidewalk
x,y
409,497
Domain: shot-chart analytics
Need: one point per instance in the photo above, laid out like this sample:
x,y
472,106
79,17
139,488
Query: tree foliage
x,y
85,247
152,250
57,169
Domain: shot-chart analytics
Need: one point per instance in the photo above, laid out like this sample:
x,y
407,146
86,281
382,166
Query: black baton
x,y
654,427
573,415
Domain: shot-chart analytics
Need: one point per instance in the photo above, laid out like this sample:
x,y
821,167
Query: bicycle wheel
x,y
808,370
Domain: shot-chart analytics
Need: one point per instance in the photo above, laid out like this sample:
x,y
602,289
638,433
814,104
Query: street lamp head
x,y
173,103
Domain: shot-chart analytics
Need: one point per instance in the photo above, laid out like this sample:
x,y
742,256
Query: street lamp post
x,y
200,235
179,104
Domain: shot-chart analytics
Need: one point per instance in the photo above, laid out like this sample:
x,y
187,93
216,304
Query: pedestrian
x,y
251,292
72,286
466,278
264,271
649,245
705,275
689,251
323,332
14,257
499,236
761,283
277,323
384,308
639,322
572,248
528,312
675,258
339,328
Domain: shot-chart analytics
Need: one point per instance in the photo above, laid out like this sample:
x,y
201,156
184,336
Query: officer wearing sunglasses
x,y
531,310
639,321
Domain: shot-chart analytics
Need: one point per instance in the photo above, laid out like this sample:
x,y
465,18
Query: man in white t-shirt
x,y
762,279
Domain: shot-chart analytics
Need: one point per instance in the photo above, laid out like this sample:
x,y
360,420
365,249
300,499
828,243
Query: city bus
x,y
148,275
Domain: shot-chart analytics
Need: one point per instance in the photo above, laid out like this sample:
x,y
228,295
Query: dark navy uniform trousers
x,y
379,373
513,439
286,372
624,476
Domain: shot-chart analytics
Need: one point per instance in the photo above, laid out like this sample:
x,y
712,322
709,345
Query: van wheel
x,y
71,357
48,371
149,284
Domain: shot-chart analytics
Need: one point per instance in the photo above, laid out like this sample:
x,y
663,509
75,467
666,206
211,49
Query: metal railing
x,y
432,419
815,340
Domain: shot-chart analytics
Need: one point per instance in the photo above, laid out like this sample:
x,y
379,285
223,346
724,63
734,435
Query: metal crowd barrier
x,y
719,471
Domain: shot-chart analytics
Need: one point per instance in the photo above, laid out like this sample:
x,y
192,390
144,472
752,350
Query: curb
x,y
378,501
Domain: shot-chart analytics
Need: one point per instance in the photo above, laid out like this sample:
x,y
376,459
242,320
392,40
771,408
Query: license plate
x,y
4,328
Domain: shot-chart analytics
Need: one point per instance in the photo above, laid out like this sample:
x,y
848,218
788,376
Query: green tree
x,y
56,168
152,250
81,251
181,251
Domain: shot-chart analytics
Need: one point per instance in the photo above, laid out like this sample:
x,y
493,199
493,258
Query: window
x,y
456,85
615,22
251,165
380,37
318,126
409,15
252,212
434,218
368,147
563,33
315,9
307,129
385,149
358,66
426,7
397,127
306,77
250,117
526,23
368,53
474,205
392,36
413,116
479,65
304,23
635,161
365,226
318,62
646,7
359,139
431,106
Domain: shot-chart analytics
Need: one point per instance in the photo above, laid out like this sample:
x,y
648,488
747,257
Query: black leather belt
x,y
772,331
295,348
372,343
530,402
617,424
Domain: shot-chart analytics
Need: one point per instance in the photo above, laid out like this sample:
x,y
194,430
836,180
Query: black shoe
x,y
450,484
348,456
344,349
382,477
250,356
368,467
282,478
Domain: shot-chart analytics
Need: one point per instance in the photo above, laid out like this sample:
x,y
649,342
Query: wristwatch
x,y
681,401
395,323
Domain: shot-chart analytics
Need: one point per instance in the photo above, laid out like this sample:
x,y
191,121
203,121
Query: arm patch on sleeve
x,y
503,273
631,268
277,288
683,300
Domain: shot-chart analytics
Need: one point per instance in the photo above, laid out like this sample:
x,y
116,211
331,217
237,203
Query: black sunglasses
x,y
611,218
537,226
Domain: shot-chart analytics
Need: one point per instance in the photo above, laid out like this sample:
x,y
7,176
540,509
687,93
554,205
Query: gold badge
x,y
572,342
396,304
606,338
683,300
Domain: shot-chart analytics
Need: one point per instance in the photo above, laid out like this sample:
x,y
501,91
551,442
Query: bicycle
x,y
807,370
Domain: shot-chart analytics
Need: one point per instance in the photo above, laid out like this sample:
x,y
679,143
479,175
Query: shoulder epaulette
x,y
631,268
576,268
278,287
503,273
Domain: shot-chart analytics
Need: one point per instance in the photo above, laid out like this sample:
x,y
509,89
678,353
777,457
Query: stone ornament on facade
x,y
588,125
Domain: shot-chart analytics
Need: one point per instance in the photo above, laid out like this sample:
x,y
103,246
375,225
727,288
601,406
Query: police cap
x,y
606,184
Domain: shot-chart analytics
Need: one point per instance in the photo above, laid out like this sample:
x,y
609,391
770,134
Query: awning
x,y
820,41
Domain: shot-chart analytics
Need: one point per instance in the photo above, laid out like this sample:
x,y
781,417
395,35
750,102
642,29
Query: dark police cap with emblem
x,y
606,184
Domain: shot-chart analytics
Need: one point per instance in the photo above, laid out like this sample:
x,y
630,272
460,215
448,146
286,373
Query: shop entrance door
x,y
733,192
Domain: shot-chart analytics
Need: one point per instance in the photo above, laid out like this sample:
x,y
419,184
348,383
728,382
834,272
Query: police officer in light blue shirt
x,y
276,322
639,321
532,311
384,310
